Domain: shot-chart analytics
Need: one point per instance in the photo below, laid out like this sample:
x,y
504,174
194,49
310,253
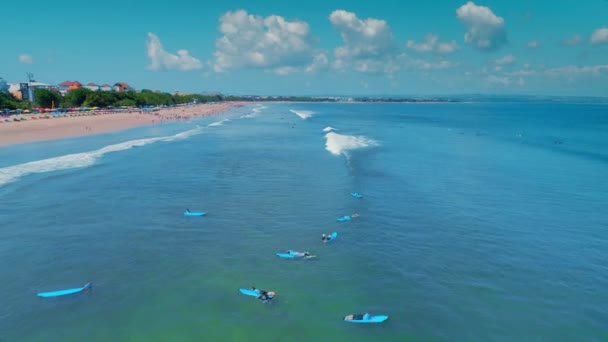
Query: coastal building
x,y
92,86
66,86
70,85
122,87
106,87
25,90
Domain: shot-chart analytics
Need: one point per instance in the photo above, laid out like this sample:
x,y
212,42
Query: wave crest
x,y
218,123
79,160
338,143
304,114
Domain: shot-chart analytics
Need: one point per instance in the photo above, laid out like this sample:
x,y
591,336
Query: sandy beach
x,y
40,128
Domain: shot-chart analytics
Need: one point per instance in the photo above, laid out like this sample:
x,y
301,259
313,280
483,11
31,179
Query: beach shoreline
x,y
37,128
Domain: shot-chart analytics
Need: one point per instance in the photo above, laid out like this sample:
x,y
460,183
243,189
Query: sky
x,y
314,47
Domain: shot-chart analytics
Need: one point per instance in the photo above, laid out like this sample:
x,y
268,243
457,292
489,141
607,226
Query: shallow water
x,y
479,222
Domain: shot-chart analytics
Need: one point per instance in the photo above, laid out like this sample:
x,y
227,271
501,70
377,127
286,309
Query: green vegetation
x,y
8,101
83,97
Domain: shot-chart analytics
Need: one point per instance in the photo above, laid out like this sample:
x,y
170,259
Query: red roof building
x,y
70,84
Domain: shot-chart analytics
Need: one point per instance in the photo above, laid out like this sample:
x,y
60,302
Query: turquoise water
x,y
479,222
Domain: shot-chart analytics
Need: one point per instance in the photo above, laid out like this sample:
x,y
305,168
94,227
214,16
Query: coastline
x,y
37,129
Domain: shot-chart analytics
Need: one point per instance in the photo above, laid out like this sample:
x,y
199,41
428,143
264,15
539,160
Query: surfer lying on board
x,y
264,295
298,254
357,317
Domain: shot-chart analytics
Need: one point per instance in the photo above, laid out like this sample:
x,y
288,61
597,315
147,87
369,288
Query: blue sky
x,y
329,47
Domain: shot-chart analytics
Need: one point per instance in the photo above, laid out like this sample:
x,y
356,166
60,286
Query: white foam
x,y
304,114
218,123
248,116
79,160
329,129
259,109
338,144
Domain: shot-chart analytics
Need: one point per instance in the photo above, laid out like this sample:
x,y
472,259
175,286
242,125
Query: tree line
x,y
83,97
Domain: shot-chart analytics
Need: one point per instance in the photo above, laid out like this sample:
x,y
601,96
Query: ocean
x,y
479,222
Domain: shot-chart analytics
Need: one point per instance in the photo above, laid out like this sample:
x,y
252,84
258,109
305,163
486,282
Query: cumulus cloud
x,y
368,44
506,60
272,42
25,58
432,44
572,41
572,71
485,30
599,36
161,59
534,44
493,79
426,65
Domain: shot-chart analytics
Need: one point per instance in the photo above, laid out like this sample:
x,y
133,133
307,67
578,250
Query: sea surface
x,y
479,222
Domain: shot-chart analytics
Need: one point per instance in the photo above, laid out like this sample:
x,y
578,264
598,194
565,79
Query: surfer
x,y
358,317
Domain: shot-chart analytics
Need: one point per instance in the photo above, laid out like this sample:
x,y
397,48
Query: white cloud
x,y
599,36
25,58
572,41
569,72
269,42
432,44
533,44
523,72
493,79
506,60
485,30
161,59
572,71
368,44
319,61
426,65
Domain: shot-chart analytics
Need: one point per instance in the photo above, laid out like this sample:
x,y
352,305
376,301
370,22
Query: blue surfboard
x,y
194,213
332,237
368,319
65,292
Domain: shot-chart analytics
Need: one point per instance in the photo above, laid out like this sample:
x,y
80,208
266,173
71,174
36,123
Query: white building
x,y
92,86
15,89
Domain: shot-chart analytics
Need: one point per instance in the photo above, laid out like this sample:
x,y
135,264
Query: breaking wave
x,y
338,144
84,159
304,114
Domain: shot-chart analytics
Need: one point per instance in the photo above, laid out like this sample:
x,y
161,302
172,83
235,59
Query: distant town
x,y
31,94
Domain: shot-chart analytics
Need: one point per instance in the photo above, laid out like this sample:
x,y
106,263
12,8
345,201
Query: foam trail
x,y
248,116
218,123
79,160
338,144
255,112
304,114
259,109
329,129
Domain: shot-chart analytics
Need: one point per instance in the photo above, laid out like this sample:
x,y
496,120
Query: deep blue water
x,y
479,222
